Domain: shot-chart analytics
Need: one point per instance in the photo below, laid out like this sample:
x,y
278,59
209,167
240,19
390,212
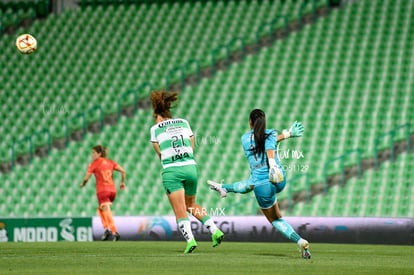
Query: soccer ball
x,y
26,43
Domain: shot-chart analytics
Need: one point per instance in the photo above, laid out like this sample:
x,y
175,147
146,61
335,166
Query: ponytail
x,y
162,102
258,121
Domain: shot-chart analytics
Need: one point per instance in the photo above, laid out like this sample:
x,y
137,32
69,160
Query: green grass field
x,y
229,258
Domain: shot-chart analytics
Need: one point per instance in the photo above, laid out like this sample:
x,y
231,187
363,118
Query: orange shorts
x,y
106,197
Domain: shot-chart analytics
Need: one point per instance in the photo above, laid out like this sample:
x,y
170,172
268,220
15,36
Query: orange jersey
x,y
103,169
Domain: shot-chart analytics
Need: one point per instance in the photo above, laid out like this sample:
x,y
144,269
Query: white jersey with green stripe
x,y
173,137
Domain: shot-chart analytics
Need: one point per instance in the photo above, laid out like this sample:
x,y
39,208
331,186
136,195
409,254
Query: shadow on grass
x,y
278,255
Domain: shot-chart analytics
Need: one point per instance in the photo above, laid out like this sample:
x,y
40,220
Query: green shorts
x,y
180,177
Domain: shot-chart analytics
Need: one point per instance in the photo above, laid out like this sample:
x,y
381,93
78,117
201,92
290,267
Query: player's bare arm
x,y
280,137
120,169
85,179
192,139
270,153
157,148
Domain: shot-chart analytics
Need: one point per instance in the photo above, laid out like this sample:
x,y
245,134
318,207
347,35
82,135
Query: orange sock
x,y
103,218
110,220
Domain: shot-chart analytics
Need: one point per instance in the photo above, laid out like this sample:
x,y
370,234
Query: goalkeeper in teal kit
x,y
267,176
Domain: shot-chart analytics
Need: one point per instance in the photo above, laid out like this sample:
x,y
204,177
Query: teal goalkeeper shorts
x,y
180,177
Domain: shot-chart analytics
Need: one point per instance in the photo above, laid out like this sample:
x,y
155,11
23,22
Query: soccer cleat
x,y
191,245
217,187
107,234
116,237
304,249
217,237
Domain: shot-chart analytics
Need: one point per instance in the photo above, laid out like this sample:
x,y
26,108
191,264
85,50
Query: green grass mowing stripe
x,y
229,258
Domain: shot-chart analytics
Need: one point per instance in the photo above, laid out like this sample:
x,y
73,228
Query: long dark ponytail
x,y
258,121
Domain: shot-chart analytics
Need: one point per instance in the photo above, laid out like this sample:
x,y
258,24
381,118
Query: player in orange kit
x,y
103,169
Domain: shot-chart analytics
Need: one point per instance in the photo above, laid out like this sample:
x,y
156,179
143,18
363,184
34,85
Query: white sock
x,y
184,226
211,226
301,241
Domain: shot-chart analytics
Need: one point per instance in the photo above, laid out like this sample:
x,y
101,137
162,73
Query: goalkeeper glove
x,y
275,175
296,130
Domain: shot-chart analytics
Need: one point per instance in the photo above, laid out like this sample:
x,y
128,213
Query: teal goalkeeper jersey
x,y
173,137
259,169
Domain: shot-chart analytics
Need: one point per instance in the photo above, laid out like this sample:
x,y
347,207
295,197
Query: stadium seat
x,y
332,75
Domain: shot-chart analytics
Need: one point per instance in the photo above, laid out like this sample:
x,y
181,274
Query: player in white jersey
x,y
173,141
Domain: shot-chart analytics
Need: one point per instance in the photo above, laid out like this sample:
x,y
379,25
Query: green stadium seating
x,y
379,193
14,13
95,54
335,76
